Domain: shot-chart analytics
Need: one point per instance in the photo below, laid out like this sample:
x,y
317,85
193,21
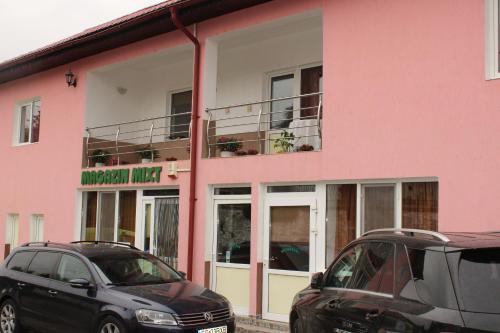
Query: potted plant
x,y
228,146
305,147
284,143
147,155
100,157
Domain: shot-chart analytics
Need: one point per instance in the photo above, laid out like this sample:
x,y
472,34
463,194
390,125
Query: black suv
x,y
100,287
406,281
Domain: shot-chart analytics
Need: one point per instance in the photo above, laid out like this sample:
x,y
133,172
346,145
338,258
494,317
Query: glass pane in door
x,y
378,207
289,238
282,111
107,216
126,228
165,236
90,208
147,226
233,233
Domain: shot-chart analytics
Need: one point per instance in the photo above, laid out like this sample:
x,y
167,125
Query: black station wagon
x,y
406,281
104,288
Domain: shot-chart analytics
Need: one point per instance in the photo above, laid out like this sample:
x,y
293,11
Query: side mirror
x,y
183,275
80,283
316,281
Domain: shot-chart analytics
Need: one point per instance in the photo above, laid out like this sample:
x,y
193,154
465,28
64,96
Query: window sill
x,y
24,144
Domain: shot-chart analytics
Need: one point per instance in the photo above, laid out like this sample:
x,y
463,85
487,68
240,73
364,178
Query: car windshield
x,y
479,275
133,269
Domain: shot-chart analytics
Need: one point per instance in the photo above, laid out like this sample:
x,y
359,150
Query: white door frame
x,y
215,264
289,200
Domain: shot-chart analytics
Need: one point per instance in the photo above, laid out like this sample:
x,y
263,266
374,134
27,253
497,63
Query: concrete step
x,y
257,325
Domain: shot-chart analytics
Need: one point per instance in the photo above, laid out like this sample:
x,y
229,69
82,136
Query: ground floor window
x,y
112,216
11,233
378,205
36,228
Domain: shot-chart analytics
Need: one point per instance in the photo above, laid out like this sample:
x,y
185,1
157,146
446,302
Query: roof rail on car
x,y
44,244
106,242
409,232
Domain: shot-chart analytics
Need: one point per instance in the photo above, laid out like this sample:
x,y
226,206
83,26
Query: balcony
x,y
281,125
142,141
139,109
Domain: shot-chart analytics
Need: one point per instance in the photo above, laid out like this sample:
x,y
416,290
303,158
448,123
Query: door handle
x,y
21,284
53,293
334,303
372,314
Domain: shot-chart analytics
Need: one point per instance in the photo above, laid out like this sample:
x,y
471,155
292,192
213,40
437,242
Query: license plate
x,y
221,329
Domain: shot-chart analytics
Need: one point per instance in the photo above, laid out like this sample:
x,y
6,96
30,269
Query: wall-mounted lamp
x,y
70,78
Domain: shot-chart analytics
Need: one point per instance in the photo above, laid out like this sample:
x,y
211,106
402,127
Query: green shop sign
x,y
121,176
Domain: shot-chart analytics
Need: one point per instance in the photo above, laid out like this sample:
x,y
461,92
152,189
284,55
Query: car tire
x,y
111,325
297,326
9,319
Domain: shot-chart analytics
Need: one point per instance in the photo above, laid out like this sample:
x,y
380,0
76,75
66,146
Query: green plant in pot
x,y
147,155
100,157
228,146
284,143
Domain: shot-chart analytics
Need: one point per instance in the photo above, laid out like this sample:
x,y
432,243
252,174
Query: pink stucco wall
x,y
405,96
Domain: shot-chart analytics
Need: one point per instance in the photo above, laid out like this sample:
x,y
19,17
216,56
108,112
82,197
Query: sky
x,y
26,25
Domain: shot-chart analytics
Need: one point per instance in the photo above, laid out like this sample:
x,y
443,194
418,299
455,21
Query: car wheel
x,y
9,321
111,325
297,326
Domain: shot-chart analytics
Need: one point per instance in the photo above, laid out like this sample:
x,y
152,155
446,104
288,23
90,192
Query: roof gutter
x,y
194,135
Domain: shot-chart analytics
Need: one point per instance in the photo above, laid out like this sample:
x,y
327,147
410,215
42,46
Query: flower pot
x,y
145,160
99,165
226,154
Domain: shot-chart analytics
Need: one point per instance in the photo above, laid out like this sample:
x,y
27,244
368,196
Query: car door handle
x,y
53,293
20,284
373,314
334,303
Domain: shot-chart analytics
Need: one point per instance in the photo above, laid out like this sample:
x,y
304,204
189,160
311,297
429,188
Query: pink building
x,y
349,115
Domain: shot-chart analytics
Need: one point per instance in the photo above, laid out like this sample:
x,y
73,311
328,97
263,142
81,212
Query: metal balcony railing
x,y
265,127
157,138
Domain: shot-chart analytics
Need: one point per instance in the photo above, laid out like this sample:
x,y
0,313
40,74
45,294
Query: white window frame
x,y
12,230
491,39
169,110
37,228
17,122
296,71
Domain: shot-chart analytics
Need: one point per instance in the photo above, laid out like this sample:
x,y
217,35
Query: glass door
x,y
378,206
160,228
290,235
231,252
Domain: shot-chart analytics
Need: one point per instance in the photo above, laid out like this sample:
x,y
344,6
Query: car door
x,y
34,291
323,309
360,286
79,304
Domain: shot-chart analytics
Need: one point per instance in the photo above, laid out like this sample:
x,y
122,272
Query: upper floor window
x,y
492,39
28,122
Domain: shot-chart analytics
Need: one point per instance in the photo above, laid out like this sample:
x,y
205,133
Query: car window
x,y
479,280
20,261
43,264
71,268
404,286
133,269
374,268
432,278
342,270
